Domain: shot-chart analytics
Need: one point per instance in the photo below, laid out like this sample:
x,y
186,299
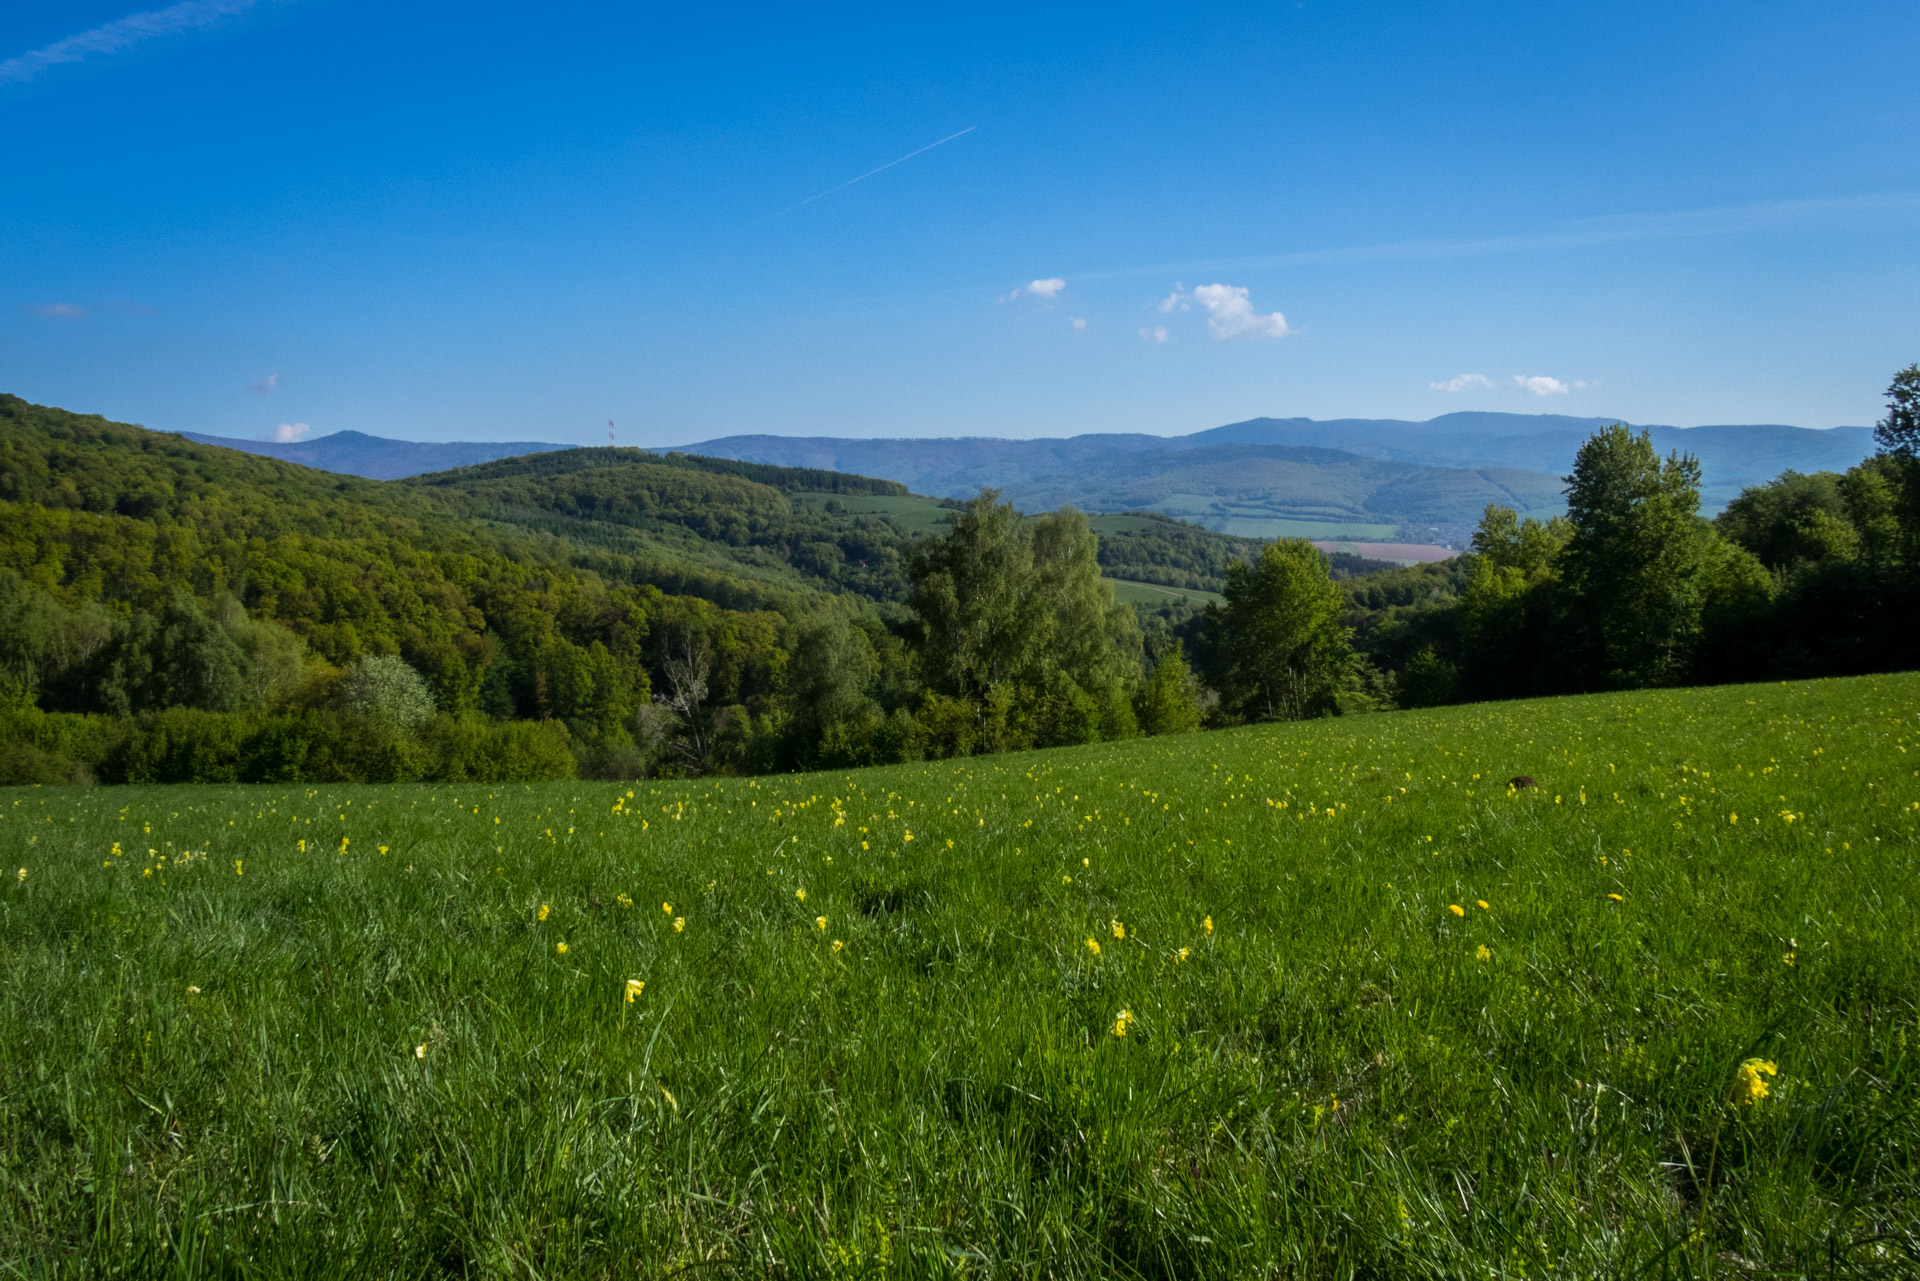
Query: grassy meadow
x,y
1318,1000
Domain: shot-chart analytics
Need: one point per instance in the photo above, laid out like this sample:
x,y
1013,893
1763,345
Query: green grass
x,y
1132,593
913,513
225,1054
1283,527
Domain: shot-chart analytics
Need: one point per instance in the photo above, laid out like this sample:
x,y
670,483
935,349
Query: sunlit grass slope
x,y
1327,999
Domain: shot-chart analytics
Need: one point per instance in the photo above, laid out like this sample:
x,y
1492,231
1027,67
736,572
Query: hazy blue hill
x,y
1731,457
1341,478
377,458
1262,477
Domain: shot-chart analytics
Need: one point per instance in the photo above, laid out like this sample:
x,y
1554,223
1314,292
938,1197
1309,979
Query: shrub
x,y
381,687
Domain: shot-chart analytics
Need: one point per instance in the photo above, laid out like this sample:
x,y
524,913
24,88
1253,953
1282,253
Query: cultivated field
x,y
1327,999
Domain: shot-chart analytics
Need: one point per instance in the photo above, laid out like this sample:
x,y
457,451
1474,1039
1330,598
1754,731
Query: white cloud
x,y
1463,382
1541,385
1156,334
265,385
121,34
1230,312
287,433
1049,288
59,310
1079,322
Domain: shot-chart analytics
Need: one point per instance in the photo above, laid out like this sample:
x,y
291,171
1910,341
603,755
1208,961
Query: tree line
x,y
168,614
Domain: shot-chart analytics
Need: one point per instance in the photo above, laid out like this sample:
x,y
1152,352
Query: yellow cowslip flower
x,y
1066,880
667,908
303,845
821,921
1733,818
1456,909
561,948
541,915
343,843
1119,930
192,991
1618,898
1482,954
837,945
1207,925
1093,945
1086,862
1753,1086
1121,1022
1484,906
238,868
679,924
634,988
1182,954
801,895
420,1050
624,900
383,849
21,875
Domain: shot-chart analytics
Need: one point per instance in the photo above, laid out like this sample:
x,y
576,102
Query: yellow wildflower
x,y
679,924
1182,954
542,913
238,868
1482,954
1207,925
634,988
420,1050
21,875
667,908
561,948
1119,930
1093,945
1121,1023
1484,905
1752,1083
821,921
1617,898
837,945
1456,909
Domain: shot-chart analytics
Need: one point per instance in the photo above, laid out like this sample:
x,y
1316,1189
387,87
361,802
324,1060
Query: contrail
x,y
1607,229
882,169
121,34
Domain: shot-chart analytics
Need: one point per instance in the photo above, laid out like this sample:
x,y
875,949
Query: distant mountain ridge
x,y
1246,477
377,458
1335,478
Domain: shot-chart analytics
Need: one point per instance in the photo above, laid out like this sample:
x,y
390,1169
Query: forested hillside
x,y
149,580
173,611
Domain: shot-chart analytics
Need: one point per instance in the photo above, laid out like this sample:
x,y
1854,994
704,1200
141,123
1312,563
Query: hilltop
x,y
1354,478
1350,479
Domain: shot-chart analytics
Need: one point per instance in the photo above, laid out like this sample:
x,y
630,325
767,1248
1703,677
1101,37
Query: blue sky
x,y
487,221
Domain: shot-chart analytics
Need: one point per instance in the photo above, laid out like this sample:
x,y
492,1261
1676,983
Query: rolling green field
x,y
1326,999
1132,593
913,513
